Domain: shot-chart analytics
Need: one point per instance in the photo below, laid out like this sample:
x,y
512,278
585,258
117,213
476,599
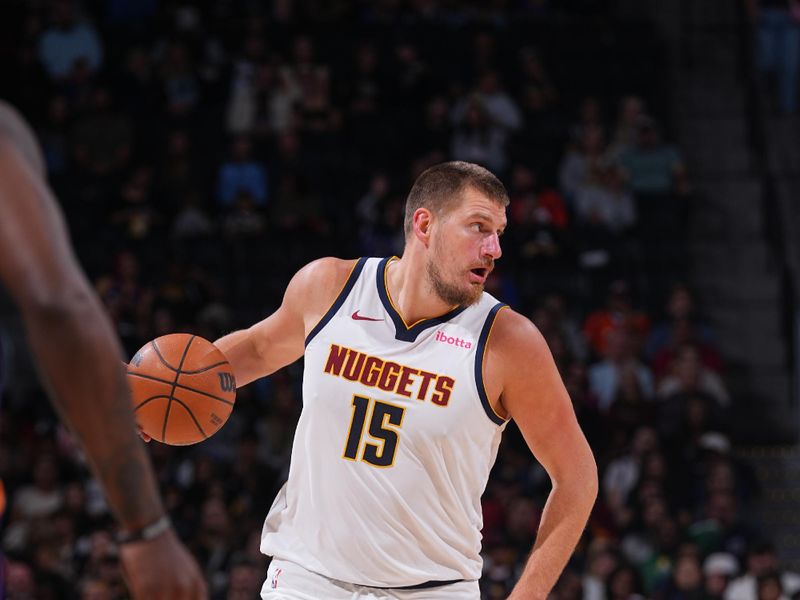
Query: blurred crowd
x,y
203,151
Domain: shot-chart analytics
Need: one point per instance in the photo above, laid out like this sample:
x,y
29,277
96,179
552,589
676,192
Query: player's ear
x,y
422,220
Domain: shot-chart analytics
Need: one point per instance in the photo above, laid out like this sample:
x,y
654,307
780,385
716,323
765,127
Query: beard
x,y
451,293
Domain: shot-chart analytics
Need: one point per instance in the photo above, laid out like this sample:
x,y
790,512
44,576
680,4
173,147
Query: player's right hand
x,y
162,569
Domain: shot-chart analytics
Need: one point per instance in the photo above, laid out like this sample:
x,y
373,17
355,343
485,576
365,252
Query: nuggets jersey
x,y
394,443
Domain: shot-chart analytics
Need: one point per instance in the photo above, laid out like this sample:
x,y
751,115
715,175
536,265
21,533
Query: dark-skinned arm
x,y
80,361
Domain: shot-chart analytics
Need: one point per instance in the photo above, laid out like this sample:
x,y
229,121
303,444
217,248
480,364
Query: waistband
x,y
421,586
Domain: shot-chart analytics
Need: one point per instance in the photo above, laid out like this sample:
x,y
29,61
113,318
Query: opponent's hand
x,y
139,430
142,434
162,569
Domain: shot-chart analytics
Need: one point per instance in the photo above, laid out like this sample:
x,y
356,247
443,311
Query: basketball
x,y
182,387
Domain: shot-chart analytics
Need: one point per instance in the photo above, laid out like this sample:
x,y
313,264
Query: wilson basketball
x,y
183,389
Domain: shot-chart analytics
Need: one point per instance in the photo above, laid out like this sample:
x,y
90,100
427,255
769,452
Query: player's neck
x,y
411,292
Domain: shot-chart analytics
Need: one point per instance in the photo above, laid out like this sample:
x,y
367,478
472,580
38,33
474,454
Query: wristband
x,y
146,533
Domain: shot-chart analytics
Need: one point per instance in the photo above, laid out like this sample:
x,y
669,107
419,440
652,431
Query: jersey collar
x,y
403,331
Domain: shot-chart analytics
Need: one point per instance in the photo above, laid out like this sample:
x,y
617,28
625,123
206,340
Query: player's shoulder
x,y
327,272
320,281
515,337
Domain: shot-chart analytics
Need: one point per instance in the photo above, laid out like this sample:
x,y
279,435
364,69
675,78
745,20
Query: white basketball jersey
x,y
394,444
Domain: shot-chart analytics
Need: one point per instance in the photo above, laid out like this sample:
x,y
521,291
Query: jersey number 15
x,y
383,418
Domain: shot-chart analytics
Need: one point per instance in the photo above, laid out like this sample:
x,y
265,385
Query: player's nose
x,y
491,246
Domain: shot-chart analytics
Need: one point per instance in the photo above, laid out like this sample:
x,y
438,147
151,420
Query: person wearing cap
x,y
762,559
718,570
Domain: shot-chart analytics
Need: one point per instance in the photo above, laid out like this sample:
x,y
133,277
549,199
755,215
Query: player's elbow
x,y
57,307
592,480
581,480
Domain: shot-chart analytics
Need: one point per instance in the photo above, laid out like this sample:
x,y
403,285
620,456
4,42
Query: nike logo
x,y
358,317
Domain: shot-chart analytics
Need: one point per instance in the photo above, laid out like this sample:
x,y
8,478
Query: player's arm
x,y
532,393
80,361
70,336
279,340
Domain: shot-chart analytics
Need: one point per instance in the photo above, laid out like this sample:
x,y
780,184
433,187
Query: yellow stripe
x,y
483,358
389,296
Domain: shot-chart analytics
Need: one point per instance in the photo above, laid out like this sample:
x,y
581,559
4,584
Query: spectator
x,y
137,219
569,586
127,299
590,116
686,582
603,207
177,175
619,368
721,525
579,160
769,587
532,201
94,588
243,220
602,561
68,42
241,173
179,81
20,582
688,375
618,313
621,476
553,318
623,584
55,136
500,107
719,569
778,50
761,561
136,86
212,543
652,166
477,138
244,580
242,109
102,138
631,111
681,324
539,217
534,76
191,221
436,133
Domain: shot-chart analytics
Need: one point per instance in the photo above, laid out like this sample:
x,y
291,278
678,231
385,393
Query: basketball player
x,y
79,359
412,372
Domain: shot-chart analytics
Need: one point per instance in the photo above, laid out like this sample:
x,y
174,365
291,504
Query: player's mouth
x,y
479,274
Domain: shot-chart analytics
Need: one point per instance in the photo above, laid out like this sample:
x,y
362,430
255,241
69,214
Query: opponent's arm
x,y
534,396
279,340
71,338
80,361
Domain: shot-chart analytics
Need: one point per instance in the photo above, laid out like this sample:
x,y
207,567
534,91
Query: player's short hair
x,y
438,188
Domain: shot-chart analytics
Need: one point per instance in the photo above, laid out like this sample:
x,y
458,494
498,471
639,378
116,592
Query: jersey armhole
x,y
486,331
337,304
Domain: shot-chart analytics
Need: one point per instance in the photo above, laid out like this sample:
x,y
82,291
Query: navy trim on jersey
x,y
487,327
403,332
348,286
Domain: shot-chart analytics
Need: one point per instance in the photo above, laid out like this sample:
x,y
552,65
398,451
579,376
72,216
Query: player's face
x,y
464,247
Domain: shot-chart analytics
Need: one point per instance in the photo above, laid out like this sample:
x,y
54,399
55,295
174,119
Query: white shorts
x,y
289,581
